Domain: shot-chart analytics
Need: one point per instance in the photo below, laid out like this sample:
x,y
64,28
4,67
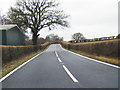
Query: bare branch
x,y
37,14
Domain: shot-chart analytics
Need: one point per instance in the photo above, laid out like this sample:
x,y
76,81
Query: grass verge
x,y
92,42
100,58
14,64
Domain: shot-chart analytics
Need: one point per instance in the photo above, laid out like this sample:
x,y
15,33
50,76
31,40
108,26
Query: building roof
x,y
7,27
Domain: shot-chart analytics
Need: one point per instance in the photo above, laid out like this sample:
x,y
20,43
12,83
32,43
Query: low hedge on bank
x,y
107,49
10,53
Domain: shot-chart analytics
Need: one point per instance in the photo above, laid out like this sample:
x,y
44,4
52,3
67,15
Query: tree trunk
x,y
34,39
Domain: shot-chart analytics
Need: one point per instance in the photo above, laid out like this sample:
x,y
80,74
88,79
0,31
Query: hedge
x,y
106,49
10,53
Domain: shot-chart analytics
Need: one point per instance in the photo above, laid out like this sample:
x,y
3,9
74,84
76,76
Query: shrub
x,y
106,49
10,53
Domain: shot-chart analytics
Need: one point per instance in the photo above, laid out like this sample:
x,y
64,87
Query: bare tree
x,y
52,37
36,15
78,36
3,20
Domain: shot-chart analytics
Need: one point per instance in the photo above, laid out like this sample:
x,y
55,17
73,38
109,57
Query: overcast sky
x,y
92,18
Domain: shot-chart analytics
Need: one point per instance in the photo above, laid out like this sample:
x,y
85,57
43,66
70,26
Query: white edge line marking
x,y
69,73
92,59
10,73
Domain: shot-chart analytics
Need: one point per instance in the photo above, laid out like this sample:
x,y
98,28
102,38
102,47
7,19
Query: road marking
x,y
58,57
65,68
56,54
70,74
59,60
6,76
108,64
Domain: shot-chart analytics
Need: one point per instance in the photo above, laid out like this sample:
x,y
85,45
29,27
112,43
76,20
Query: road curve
x,y
58,68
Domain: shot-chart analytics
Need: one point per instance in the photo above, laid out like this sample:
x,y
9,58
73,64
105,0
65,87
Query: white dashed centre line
x,y
70,74
56,54
59,60
65,68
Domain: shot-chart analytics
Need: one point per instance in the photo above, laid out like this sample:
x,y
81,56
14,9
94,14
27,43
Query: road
x,y
58,68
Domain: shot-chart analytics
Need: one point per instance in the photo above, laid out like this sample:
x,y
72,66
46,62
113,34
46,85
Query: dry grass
x,y
101,58
107,49
13,64
93,42
11,53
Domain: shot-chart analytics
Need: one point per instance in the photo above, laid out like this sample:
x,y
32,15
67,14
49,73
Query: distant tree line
x,y
48,38
53,37
78,37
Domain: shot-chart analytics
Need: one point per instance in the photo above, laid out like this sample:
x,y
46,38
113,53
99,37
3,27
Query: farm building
x,y
11,35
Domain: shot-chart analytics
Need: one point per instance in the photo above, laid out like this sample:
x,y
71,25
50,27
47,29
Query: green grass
x,y
96,41
100,58
13,64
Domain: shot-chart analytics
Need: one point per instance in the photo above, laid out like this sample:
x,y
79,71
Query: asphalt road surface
x,y
58,68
